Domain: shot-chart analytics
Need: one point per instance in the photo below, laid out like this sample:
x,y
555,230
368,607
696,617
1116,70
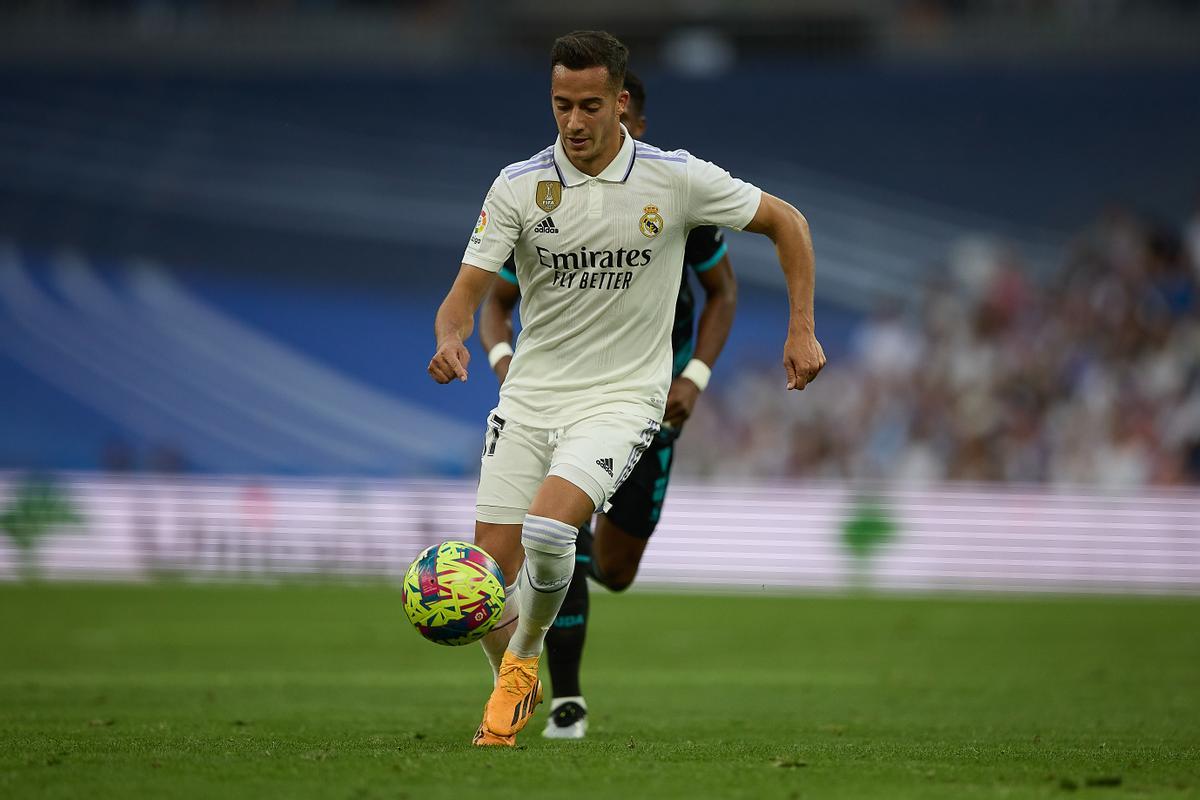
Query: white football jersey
x,y
599,262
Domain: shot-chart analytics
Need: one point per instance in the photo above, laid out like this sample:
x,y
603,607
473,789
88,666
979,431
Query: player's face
x,y
588,112
633,120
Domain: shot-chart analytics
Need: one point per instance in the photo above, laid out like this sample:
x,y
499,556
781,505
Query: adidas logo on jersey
x,y
545,226
606,465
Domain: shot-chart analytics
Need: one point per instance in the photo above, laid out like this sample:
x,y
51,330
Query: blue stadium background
x,y
239,274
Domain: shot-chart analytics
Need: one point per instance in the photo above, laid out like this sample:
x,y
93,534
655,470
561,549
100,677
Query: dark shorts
x,y
637,504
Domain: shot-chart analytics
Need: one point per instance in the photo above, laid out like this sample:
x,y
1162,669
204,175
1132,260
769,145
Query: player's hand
x,y
803,358
501,368
681,399
450,361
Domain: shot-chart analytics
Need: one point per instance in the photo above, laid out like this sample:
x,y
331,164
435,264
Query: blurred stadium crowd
x,y
1092,377
186,185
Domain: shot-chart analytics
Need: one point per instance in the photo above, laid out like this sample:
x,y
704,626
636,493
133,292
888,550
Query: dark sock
x,y
564,640
583,553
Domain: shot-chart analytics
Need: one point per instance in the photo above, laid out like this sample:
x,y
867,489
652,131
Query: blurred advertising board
x,y
798,536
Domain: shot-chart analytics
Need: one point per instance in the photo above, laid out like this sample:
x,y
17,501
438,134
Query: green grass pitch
x,y
301,691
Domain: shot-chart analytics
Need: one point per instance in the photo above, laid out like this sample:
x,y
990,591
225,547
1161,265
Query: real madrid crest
x,y
651,223
548,195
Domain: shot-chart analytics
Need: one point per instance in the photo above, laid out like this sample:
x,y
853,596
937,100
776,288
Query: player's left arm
x,y
716,320
803,357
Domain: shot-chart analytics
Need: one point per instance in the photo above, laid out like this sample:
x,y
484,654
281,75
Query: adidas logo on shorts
x,y
606,465
545,226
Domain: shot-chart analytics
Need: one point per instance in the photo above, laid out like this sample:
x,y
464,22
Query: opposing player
x,y
613,556
587,389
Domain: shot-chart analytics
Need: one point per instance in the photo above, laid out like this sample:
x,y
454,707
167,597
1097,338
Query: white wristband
x,y
501,350
498,352
697,372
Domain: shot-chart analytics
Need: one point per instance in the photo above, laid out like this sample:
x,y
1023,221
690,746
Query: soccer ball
x,y
453,593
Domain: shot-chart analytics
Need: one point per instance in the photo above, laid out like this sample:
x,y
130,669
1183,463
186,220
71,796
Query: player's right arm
x,y
488,247
455,321
495,320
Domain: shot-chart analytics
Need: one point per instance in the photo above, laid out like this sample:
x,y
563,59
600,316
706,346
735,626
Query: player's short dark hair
x,y
587,49
637,91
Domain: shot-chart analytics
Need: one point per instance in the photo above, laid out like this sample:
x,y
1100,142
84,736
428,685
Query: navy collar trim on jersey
x,y
621,165
632,159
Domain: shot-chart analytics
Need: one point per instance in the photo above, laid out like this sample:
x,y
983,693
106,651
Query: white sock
x,y
496,642
549,565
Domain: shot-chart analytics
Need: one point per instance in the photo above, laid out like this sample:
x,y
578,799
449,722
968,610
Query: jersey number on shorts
x,y
494,426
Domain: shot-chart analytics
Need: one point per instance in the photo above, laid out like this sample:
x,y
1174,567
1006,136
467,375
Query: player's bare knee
x,y
561,499
619,583
619,579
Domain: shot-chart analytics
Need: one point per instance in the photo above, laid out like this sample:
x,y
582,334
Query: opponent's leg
x,y
616,554
623,531
566,637
564,651
614,563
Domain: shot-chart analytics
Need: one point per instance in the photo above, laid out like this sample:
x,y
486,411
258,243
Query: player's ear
x,y
622,101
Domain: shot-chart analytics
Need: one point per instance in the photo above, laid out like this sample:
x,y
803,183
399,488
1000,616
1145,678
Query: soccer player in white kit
x,y
597,223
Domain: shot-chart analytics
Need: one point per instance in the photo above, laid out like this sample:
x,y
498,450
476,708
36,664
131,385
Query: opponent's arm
x,y
803,357
495,322
455,321
716,320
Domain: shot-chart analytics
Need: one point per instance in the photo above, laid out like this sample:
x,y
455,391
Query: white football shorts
x,y
596,454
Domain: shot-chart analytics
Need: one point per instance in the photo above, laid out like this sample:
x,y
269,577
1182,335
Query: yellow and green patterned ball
x,y
453,593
